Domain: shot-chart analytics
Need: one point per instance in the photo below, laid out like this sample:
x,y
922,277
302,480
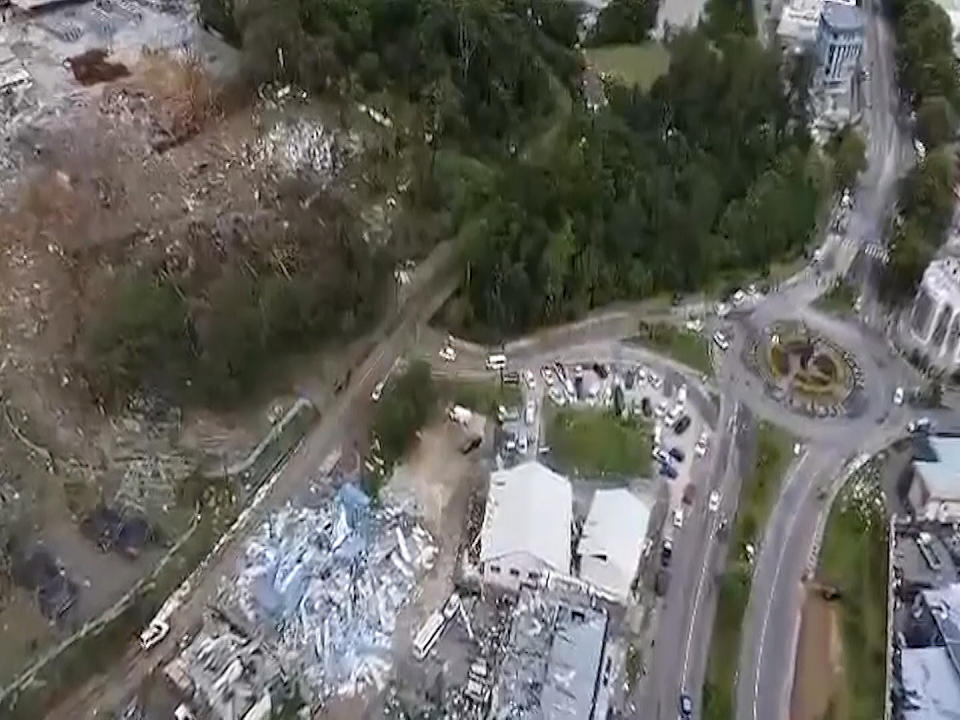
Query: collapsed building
x,y
551,665
318,589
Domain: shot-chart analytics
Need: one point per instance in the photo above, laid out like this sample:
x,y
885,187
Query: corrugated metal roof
x,y
930,684
612,540
942,476
529,510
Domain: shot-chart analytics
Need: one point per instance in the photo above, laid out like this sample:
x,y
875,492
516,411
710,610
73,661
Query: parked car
x,y
529,379
448,353
660,456
662,582
549,377
686,706
471,445
600,370
661,409
511,378
522,443
668,471
677,454
530,412
646,407
557,396
682,424
898,396
720,340
656,382
377,391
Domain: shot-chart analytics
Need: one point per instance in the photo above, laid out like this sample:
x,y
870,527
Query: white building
x,y
840,42
799,26
526,526
935,489
934,322
612,542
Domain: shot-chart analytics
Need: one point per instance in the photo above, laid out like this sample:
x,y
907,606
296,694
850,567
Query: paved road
x,y
111,690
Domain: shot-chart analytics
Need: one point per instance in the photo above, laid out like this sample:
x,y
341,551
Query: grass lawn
x,y
839,300
633,64
683,346
854,559
483,396
758,494
595,442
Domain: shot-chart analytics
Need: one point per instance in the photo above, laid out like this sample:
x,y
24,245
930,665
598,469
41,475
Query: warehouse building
x,y
526,530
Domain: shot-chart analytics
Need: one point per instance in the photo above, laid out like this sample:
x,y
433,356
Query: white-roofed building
x,y
526,526
612,541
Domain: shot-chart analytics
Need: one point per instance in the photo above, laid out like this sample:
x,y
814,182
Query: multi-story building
x,y
933,324
840,42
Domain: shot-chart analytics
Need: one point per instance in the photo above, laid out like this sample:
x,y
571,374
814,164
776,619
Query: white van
x,y
497,361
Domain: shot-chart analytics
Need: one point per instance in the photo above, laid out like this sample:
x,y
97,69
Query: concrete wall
x,y
509,571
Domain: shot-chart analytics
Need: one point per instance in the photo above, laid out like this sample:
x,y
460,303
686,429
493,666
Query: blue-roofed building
x,y
841,42
935,489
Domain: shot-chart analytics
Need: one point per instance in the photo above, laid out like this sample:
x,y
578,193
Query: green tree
x,y
849,153
138,339
624,21
936,121
404,408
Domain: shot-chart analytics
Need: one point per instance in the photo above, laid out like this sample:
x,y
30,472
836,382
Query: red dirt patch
x,y
92,67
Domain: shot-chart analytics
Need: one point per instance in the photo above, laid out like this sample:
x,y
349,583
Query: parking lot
x,y
656,396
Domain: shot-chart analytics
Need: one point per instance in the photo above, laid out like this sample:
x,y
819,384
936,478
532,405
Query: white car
x,y
641,375
660,410
522,444
448,353
656,382
557,396
548,375
713,504
678,518
377,391
528,379
721,341
530,413
700,449
898,396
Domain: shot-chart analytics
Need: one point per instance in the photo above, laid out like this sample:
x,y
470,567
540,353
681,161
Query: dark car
x,y
662,582
682,424
600,370
629,379
677,454
666,552
668,471
686,705
471,445
511,378
646,407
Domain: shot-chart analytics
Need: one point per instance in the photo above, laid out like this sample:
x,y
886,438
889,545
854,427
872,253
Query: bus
x,y
428,635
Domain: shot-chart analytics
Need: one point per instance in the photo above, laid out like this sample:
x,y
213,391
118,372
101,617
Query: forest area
x,y
560,205
927,74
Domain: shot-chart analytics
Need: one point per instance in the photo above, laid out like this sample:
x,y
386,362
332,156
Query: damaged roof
x,y
612,541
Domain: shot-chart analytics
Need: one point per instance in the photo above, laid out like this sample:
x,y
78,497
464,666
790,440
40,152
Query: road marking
x,y
706,555
773,585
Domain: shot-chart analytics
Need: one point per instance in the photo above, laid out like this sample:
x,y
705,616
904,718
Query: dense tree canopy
x,y
927,71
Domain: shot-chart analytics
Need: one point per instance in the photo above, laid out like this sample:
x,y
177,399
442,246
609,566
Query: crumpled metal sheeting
x,y
305,148
328,583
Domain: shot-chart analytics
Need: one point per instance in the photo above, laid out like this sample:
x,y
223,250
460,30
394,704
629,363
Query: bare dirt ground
x,y
818,683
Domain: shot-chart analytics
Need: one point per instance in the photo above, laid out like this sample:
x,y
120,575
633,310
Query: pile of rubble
x,y
328,584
